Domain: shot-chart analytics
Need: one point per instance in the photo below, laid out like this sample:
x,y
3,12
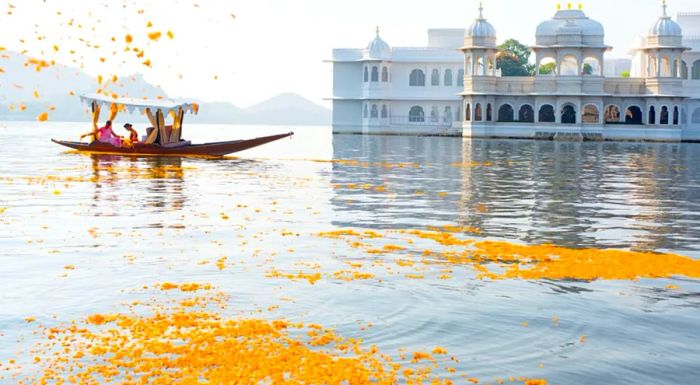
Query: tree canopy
x,y
514,59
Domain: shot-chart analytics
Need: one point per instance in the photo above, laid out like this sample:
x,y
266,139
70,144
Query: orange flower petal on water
x,y
44,116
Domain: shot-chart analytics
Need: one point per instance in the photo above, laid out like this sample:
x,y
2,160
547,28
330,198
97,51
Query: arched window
x,y
612,114
591,66
480,67
665,67
674,68
448,114
435,78
434,114
569,66
489,112
505,113
684,70
568,114
526,114
385,112
675,116
547,114
448,78
365,112
366,76
633,115
417,79
460,78
663,116
385,74
684,116
477,112
375,112
468,112
652,115
548,66
468,65
375,74
416,114
696,116
590,114
458,115
696,70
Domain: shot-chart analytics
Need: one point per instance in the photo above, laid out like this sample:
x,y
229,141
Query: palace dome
x,y
378,49
570,22
481,27
665,26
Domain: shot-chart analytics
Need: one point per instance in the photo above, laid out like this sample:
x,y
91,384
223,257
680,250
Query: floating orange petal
x,y
155,35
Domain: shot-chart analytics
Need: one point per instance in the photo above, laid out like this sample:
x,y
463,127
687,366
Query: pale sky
x,y
272,46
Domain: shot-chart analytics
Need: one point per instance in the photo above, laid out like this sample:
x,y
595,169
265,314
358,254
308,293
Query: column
x,y
658,64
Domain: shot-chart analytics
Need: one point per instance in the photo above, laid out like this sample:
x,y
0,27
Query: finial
x,y
558,6
377,31
481,10
664,7
569,5
580,6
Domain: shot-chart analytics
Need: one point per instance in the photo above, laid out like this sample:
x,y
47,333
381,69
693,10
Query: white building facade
x,y
384,90
400,90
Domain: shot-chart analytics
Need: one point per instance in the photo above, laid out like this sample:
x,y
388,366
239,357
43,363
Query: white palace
x,y
452,86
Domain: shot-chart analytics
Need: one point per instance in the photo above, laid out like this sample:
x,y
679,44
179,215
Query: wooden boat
x,y
162,139
205,149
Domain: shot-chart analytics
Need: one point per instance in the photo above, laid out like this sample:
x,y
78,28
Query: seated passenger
x,y
106,135
133,135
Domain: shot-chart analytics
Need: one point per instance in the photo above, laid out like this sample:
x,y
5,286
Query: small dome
x,y
378,48
665,26
481,27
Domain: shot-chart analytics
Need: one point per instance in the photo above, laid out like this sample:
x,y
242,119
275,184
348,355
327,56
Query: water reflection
x,y
159,182
576,194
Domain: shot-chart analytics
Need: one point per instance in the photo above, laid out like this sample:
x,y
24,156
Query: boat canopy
x,y
155,110
140,105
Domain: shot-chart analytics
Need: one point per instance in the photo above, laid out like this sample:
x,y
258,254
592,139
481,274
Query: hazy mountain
x,y
59,86
289,108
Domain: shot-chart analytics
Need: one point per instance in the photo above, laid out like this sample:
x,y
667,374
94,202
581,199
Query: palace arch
x,y
526,114
568,114
546,114
590,114
505,113
633,115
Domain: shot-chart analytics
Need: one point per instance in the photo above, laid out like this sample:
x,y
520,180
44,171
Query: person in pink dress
x,y
106,135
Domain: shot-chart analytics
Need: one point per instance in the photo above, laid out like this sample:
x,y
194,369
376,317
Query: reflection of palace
x,y
406,90
625,195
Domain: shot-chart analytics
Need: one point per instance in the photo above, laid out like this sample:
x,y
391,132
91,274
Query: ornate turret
x,y
378,49
481,33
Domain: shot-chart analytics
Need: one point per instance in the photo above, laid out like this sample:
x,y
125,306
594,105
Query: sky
x,y
245,51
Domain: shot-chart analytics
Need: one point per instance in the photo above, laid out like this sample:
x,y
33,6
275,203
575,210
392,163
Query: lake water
x,y
127,222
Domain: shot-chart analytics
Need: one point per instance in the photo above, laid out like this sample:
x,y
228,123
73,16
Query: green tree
x,y
548,69
587,69
514,59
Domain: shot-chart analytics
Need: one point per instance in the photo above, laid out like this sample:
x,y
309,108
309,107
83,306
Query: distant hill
x,y
59,86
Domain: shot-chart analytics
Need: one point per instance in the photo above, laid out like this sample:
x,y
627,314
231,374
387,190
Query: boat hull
x,y
205,149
